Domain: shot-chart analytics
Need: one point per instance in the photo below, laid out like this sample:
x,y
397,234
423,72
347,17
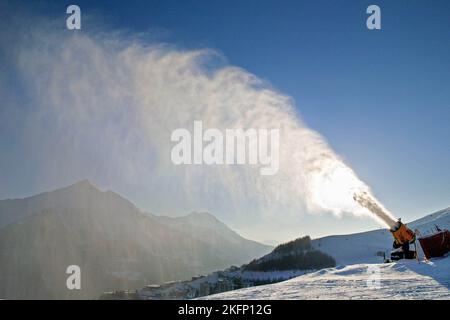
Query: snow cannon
x,y
401,233
403,237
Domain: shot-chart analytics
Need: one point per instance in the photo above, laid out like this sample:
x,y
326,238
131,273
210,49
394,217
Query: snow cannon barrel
x,y
402,234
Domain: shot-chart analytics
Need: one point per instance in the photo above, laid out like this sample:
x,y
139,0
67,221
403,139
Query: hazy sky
x,y
381,98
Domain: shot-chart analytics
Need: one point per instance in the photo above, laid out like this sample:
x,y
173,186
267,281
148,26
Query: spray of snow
x,y
368,201
103,106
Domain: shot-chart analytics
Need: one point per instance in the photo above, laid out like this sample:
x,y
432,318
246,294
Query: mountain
x,y
209,229
116,245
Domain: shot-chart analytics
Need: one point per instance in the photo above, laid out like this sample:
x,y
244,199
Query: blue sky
x,y
381,98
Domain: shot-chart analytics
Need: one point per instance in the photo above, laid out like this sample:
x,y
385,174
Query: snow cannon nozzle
x,y
397,225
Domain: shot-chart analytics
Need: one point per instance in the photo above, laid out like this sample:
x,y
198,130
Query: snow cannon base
x,y
399,255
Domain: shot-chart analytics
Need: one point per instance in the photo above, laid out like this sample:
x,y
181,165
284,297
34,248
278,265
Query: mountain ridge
x,y
116,245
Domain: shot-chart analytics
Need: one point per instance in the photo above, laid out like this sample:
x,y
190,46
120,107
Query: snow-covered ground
x,y
402,280
359,263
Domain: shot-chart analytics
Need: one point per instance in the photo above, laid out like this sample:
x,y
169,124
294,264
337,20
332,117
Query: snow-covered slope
x,y
402,280
363,247
357,260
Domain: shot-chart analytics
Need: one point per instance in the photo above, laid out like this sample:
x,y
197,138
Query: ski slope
x,y
402,280
357,260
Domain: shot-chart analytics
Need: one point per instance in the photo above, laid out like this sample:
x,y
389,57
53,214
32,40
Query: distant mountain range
x,y
116,245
